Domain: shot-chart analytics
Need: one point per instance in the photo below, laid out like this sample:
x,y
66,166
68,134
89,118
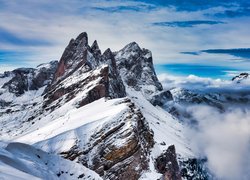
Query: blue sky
x,y
198,33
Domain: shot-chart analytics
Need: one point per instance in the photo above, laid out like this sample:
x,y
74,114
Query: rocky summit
x,y
92,115
240,77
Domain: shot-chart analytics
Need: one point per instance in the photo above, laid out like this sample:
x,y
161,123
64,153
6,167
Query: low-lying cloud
x,y
210,85
224,138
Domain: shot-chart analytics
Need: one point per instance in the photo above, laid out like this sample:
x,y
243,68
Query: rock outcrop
x,y
84,69
240,77
160,98
136,69
120,149
25,79
193,168
167,164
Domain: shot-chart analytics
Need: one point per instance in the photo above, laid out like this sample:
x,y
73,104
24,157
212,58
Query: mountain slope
x,y
96,111
22,161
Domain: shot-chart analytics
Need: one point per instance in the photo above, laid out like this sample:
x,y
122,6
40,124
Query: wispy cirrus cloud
x,y
196,5
45,31
185,24
120,8
238,52
11,38
243,53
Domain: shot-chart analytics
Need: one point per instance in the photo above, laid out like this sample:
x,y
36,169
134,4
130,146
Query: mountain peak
x,y
95,49
83,37
240,77
95,45
108,52
133,46
73,56
137,69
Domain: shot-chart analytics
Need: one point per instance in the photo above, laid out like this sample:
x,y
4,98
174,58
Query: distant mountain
x,y
228,95
240,77
98,110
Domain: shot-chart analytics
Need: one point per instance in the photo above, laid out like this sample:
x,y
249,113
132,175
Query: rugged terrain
x,y
227,96
92,115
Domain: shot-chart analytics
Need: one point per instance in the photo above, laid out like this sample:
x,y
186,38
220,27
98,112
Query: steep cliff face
x,y
136,69
74,56
26,79
83,69
167,164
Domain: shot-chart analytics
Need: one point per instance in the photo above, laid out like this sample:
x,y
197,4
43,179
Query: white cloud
x,y
209,85
59,21
224,138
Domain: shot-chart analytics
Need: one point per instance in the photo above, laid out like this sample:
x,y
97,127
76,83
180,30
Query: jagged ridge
x,y
82,78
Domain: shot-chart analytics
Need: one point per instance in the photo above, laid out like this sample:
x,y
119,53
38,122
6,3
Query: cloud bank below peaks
x,y
206,85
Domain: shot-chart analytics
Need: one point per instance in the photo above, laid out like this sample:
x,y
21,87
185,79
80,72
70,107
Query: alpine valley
x,y
95,115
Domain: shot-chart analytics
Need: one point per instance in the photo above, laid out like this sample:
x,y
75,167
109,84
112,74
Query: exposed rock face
x,y
68,88
116,86
240,77
74,56
195,169
167,164
25,79
84,68
136,68
95,50
161,98
186,96
21,95
19,83
116,149
43,76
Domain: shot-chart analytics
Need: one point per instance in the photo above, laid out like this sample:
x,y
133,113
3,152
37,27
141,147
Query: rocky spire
x,y
108,52
82,39
81,67
74,55
95,49
116,86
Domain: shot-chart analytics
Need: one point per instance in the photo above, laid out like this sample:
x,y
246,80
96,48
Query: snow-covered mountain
x,y
92,115
240,77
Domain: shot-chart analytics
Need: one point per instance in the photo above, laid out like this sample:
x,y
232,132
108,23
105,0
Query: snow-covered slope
x,y
22,161
77,130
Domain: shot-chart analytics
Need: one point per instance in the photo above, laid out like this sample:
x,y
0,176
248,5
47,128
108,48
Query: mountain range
x,y
95,115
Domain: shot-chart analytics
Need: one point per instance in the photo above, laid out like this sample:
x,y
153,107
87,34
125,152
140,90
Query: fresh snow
x,y
61,133
22,161
59,130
